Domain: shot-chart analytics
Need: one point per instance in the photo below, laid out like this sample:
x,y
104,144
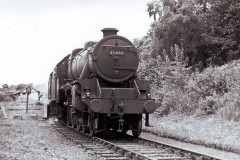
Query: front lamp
x,y
148,96
88,94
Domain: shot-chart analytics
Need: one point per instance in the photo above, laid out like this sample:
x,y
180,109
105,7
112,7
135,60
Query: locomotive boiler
x,y
96,88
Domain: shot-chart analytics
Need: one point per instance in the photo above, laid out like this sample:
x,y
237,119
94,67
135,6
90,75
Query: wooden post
x,y
38,96
27,103
28,91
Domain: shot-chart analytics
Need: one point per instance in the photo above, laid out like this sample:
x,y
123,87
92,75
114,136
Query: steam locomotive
x,y
95,89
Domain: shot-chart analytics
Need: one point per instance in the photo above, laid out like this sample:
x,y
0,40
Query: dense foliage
x,y
207,30
183,52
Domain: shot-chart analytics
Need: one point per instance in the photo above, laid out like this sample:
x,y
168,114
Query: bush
x,y
215,90
13,96
169,81
20,86
2,96
218,88
8,99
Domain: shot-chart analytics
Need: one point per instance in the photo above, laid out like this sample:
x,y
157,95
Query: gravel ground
x,y
34,138
28,136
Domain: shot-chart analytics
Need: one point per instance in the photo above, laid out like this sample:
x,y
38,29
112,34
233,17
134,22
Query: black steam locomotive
x,y
95,89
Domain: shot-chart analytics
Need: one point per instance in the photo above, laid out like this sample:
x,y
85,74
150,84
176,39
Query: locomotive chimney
x,y
109,31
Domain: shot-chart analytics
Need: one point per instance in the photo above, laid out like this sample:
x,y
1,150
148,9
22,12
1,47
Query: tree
x,y
223,35
207,30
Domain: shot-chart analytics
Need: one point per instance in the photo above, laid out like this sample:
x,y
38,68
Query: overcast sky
x,y
36,34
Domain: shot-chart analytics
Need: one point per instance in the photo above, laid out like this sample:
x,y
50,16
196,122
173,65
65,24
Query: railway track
x,y
121,147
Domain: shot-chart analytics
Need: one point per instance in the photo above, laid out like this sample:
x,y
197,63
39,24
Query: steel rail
x,y
192,154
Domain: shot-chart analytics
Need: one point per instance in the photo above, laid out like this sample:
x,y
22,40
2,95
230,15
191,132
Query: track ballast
x,y
114,146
